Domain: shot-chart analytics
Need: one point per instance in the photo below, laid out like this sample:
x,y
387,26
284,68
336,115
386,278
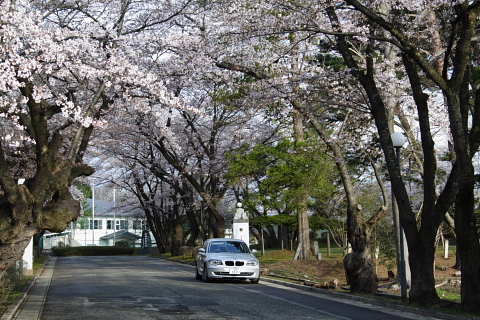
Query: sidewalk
x,y
29,304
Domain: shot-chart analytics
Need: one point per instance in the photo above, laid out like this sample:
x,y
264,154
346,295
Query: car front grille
x,y
234,263
245,274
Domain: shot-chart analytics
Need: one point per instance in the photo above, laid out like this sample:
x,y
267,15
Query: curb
x,y
14,307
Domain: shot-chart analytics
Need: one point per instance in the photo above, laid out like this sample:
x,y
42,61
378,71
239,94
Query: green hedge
x,y
91,251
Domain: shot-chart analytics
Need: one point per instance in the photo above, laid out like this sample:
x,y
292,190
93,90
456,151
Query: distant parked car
x,y
222,258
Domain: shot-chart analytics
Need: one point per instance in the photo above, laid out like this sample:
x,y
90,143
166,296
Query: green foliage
x,y
83,221
124,243
315,222
278,220
329,61
384,239
318,223
85,189
283,173
476,74
449,293
91,251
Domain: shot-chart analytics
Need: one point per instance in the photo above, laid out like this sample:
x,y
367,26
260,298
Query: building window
x,y
95,224
137,225
120,225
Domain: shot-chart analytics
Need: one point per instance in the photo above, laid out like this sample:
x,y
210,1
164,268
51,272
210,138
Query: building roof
x,y
108,209
121,235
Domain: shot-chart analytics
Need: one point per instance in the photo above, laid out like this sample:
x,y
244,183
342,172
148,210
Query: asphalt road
x,y
126,287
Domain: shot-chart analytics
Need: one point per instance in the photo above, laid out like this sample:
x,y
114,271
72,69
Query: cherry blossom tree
x,y
362,34
64,66
69,67
383,44
453,84
296,73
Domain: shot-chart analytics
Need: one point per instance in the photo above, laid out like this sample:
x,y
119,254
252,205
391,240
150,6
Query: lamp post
x,y
114,220
398,140
93,213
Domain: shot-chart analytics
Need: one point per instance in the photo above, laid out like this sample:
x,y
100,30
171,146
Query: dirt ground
x,y
327,271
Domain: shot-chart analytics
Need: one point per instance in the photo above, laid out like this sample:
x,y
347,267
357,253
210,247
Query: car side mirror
x,y
201,250
254,251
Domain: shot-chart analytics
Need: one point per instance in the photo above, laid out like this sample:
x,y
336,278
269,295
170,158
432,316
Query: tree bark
x,y
302,212
177,238
359,266
421,241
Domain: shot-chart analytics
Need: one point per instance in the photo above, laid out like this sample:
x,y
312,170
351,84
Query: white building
x,y
104,227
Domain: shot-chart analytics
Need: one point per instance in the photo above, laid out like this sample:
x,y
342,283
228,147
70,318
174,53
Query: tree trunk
x,y
359,266
216,222
302,212
177,238
421,260
218,225
303,236
467,243
155,226
360,272
19,223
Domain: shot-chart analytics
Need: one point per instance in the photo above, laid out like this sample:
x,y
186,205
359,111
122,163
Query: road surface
x,y
138,287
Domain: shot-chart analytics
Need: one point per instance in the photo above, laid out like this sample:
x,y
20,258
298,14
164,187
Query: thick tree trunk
x,y
360,271
303,235
430,216
302,211
177,238
468,243
19,222
359,266
421,260
12,250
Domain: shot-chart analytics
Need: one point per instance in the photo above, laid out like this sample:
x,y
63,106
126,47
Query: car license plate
x,y
234,271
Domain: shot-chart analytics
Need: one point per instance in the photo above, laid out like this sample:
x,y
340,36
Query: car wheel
x,y
255,281
205,277
197,275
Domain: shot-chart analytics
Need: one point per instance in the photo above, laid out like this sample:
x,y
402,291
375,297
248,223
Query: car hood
x,y
231,256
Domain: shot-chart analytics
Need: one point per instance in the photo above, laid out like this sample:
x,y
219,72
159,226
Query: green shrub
x,y
123,243
91,251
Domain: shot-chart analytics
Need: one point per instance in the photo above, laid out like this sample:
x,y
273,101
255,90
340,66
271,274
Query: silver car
x,y
222,258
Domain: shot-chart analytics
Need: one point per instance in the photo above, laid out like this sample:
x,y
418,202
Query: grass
x,y
276,255
38,263
168,256
449,294
9,292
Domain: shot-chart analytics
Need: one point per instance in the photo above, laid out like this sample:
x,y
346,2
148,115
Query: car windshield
x,y
228,246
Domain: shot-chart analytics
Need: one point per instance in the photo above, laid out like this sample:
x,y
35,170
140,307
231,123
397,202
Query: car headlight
x,y
252,263
215,262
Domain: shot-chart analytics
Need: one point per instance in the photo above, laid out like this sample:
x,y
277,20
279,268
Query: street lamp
x,y
398,140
